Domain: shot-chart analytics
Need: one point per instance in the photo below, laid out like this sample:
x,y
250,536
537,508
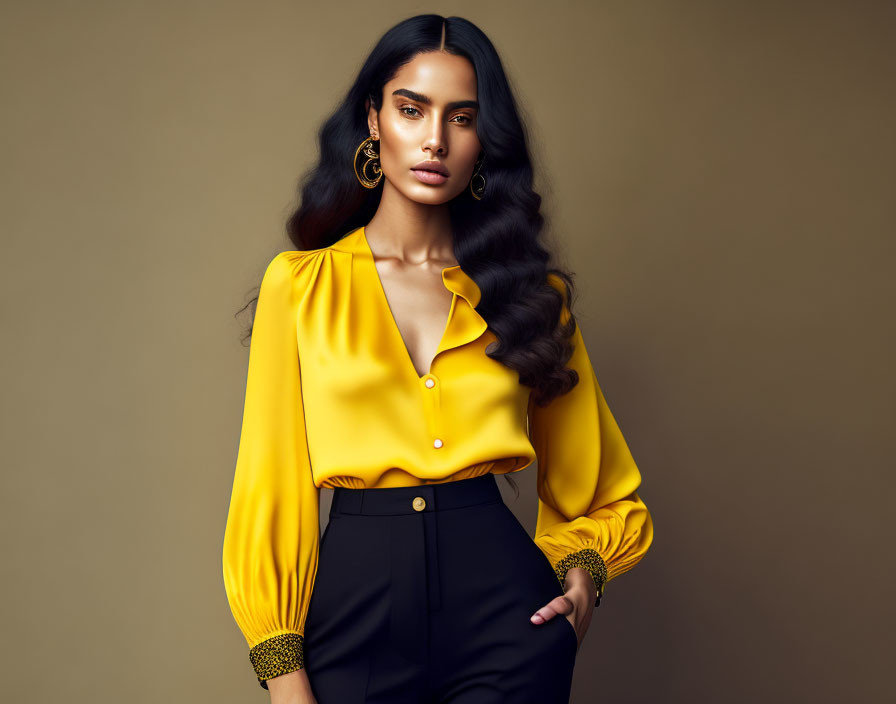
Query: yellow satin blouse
x,y
333,400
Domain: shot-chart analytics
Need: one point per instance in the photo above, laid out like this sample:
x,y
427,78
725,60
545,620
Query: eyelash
x,y
411,107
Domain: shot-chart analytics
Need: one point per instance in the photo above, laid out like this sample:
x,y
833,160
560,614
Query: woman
x,y
412,347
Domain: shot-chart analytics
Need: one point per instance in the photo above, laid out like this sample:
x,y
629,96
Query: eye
x,y
408,107
465,117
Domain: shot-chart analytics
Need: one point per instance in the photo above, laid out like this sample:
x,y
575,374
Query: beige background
x,y
721,176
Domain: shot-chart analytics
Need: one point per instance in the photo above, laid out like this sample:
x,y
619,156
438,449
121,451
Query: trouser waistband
x,y
399,500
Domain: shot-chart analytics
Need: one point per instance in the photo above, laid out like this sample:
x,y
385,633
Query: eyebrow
x,y
426,100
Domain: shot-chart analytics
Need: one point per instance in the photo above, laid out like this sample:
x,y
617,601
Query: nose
x,y
435,141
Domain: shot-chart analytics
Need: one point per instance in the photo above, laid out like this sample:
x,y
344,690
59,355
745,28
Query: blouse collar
x,y
459,282
454,278
465,324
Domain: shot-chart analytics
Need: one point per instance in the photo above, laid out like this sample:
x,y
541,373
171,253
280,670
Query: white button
x,y
437,443
430,383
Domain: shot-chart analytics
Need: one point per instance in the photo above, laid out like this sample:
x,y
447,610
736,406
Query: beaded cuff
x,y
590,560
277,655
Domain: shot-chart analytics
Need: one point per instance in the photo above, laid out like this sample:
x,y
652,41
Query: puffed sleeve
x,y
271,538
589,511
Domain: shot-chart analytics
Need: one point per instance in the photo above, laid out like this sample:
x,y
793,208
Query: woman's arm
x,y
271,539
589,513
291,688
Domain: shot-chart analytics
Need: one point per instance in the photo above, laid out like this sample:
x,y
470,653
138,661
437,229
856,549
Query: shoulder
x,y
298,272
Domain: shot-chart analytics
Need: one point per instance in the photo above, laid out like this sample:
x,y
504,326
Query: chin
x,y
431,195
431,199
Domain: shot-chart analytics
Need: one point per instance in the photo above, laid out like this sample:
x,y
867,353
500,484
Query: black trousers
x,y
423,595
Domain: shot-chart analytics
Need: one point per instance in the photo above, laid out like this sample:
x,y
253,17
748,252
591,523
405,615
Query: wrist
x,y
291,688
588,560
579,581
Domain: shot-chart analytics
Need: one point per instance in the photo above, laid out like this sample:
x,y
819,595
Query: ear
x,y
372,119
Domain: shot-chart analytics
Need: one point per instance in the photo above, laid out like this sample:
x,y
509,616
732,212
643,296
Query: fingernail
x,y
535,618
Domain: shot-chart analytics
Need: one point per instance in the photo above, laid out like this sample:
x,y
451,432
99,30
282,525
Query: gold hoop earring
x,y
478,191
371,173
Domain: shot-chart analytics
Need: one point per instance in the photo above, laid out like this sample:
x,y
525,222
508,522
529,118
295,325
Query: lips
x,y
433,178
433,166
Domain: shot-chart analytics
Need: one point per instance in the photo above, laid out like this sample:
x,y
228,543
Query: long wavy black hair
x,y
497,240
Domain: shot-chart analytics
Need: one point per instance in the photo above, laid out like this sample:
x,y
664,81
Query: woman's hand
x,y
291,688
575,605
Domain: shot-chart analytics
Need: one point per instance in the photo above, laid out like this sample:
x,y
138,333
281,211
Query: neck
x,y
409,231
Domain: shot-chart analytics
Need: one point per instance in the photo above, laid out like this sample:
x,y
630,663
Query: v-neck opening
x,y
391,315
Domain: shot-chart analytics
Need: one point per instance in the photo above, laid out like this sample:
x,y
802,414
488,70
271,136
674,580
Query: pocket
x,y
570,630
329,541
535,555
530,564
322,582
549,570
323,538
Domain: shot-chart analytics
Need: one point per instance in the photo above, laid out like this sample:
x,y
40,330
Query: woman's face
x,y
429,113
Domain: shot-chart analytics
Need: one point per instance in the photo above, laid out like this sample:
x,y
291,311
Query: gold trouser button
x,y
419,503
